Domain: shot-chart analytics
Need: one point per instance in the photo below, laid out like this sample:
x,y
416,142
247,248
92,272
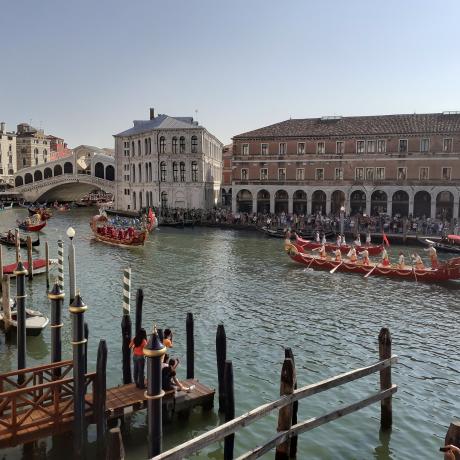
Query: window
x,y
301,148
300,174
369,173
133,152
139,150
126,148
319,174
245,149
381,146
338,174
163,171
402,145
370,146
263,173
283,148
264,149
162,144
244,174
194,144
281,173
174,145
175,176
447,145
359,146
402,174
321,147
194,171
359,173
182,171
423,173
446,173
425,145
340,147
182,144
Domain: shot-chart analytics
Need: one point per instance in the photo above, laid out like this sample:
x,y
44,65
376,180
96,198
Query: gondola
x,y
35,320
5,207
445,245
22,241
44,213
449,270
39,266
32,226
116,236
306,245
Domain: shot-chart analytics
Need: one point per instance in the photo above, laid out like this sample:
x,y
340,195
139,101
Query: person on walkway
x,y
168,338
433,256
137,345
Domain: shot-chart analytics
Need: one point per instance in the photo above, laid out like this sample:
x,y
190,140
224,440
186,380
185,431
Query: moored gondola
x,y
11,241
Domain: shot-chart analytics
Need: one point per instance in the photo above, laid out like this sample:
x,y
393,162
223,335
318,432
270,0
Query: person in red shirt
x,y
168,338
137,345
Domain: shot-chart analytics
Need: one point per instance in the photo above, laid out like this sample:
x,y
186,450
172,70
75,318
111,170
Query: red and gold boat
x,y
449,270
307,245
32,224
123,237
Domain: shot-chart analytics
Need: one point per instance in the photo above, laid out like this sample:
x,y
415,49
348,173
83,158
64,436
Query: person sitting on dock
x,y
169,381
352,254
365,257
417,261
138,344
385,258
168,338
433,256
450,451
401,261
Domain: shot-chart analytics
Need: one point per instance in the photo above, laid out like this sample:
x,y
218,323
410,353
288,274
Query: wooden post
x,y
295,408
77,309
115,450
229,440
1,261
21,273
386,416
18,244
56,296
190,346
139,303
29,258
221,354
154,352
61,264
47,259
126,351
6,302
285,413
86,334
453,436
100,388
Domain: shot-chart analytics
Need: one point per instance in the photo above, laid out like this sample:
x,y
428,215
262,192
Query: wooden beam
x,y
189,447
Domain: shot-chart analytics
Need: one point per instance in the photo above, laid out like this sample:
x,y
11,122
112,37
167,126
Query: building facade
x,y
32,146
58,148
7,156
169,162
393,164
226,186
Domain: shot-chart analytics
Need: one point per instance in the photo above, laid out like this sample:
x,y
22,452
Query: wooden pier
x,y
43,404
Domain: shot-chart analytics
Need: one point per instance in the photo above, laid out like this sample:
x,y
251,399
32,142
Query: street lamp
x,y
72,270
342,214
70,233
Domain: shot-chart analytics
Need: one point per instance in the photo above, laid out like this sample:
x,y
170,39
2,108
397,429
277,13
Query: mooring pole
x,y
221,354
295,407
139,302
6,303
77,309
72,270
190,346
229,440
126,327
154,352
47,260
30,261
1,262
100,397
21,273
61,264
386,415
56,296
86,334
17,244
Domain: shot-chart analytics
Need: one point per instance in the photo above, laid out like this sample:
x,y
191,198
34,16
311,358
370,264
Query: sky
x,y
84,69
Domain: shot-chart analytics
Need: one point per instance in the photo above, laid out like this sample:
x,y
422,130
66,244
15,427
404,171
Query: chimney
x,y
2,127
152,113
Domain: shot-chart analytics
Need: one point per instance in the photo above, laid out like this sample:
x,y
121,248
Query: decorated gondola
x,y
32,224
118,236
449,270
307,245
44,213
9,239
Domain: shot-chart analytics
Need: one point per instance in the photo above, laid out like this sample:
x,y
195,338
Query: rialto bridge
x,y
66,179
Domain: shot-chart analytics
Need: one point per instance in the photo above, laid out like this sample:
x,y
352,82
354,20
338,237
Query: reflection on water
x,y
266,302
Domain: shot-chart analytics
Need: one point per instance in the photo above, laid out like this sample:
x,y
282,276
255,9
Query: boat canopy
x,y
454,237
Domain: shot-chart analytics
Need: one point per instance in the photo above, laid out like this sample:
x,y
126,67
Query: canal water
x,y
266,303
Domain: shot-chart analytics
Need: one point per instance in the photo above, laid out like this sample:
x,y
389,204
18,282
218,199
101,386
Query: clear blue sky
x,y
85,69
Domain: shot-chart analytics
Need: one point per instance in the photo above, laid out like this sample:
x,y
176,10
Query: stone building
x,y
391,164
32,146
226,185
169,162
7,156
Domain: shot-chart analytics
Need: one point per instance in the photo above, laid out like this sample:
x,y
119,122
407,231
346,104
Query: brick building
x,y
58,148
226,185
392,164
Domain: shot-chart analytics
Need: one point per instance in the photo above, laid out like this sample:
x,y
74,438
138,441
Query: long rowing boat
x,y
449,270
116,236
39,266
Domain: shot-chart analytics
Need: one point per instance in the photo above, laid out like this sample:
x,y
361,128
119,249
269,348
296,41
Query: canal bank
x,y
266,302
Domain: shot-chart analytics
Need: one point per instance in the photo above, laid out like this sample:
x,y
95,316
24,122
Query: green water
x,y
266,302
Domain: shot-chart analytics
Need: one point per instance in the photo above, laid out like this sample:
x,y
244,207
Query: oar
x,y
370,271
336,267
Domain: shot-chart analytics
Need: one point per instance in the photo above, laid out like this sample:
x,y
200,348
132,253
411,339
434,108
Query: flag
x,y
385,239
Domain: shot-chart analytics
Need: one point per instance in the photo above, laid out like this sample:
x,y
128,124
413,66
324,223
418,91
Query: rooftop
x,y
433,123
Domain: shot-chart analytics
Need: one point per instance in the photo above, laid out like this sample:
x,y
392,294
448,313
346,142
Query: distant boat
x,y
126,237
35,320
39,266
4,207
450,244
12,242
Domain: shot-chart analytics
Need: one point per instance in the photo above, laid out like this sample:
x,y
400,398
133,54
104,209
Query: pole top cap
x,y
20,269
56,292
78,306
154,347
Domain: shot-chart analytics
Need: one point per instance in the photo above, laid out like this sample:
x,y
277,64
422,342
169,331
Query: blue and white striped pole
x,y
61,264
126,291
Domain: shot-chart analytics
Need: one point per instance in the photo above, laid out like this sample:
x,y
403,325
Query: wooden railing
x,y
217,434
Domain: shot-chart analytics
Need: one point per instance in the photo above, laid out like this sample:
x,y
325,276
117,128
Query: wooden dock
x,y
43,405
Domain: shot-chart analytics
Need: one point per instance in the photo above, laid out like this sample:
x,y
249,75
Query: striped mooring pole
x,y
61,264
126,291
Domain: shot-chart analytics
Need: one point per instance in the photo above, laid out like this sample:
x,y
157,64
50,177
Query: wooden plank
x,y
36,369
203,440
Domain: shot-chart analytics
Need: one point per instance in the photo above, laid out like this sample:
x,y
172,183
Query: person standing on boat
x,y
365,257
401,261
317,237
385,259
352,254
323,239
433,256
339,240
417,261
344,243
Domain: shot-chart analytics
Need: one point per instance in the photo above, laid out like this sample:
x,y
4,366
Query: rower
x,y
433,256
365,257
368,239
401,261
417,261
352,254
358,240
344,243
322,251
338,255
339,240
287,240
385,259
